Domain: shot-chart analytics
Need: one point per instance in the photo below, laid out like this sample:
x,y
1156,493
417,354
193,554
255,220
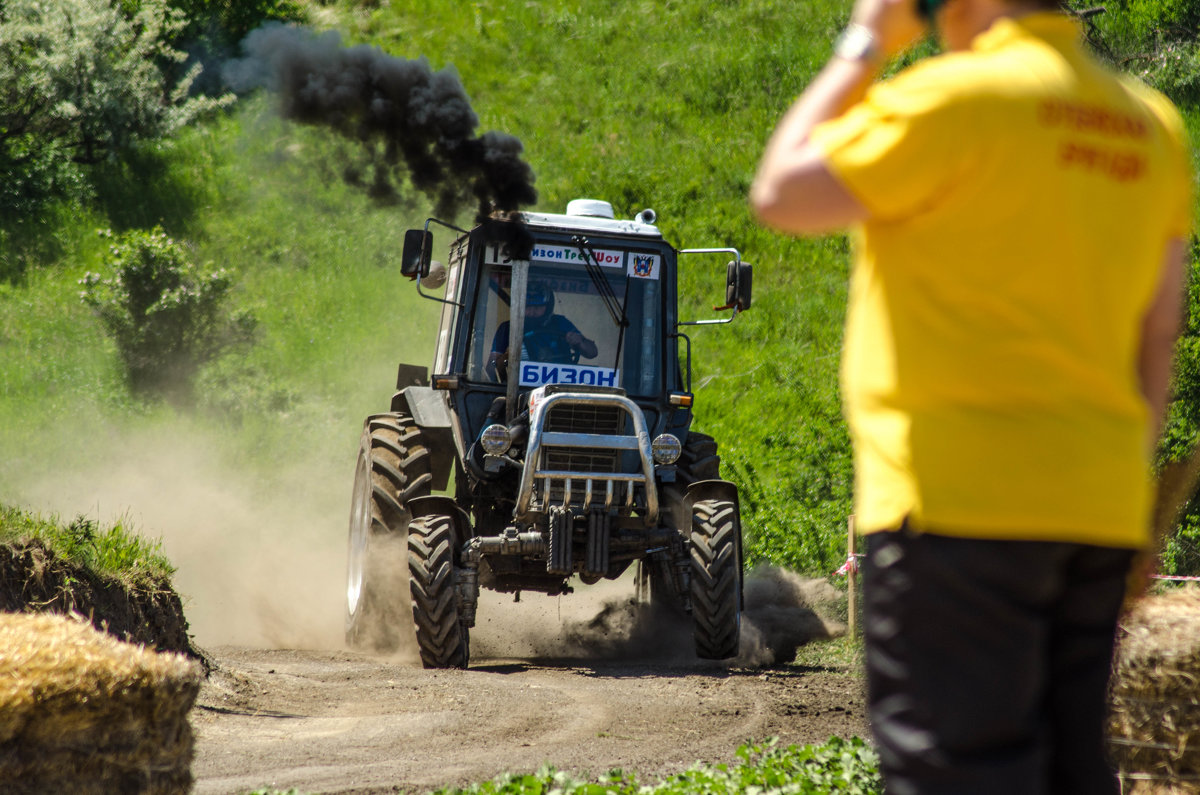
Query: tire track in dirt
x,y
325,721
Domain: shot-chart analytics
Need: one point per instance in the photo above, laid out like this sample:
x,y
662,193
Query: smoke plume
x,y
408,120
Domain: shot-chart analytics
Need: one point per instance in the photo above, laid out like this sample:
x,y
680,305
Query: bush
x,y
166,316
1154,40
213,29
80,80
1182,553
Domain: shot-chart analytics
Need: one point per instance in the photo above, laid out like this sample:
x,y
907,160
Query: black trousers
x,y
988,663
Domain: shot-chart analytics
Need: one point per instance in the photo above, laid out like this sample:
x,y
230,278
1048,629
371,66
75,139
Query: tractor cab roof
x,y
591,215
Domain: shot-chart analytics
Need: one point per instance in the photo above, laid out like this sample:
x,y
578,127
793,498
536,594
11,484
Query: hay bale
x,y
82,712
1154,723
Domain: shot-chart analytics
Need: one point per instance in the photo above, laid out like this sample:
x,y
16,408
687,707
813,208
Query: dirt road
x,y
602,687
345,722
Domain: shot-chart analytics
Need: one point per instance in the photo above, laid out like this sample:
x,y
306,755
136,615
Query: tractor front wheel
x,y
716,574
442,638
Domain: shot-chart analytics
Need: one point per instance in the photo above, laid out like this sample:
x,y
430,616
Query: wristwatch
x,y
856,43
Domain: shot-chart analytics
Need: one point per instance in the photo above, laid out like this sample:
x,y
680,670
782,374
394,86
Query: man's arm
x,y
794,190
1160,329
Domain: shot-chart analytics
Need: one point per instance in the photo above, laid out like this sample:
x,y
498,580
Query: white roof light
x,y
593,208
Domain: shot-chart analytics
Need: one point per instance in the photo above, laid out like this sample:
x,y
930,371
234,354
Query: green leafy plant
x,y
167,317
79,80
1155,40
115,550
844,767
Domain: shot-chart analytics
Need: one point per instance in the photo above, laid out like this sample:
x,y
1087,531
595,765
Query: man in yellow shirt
x,y
1020,215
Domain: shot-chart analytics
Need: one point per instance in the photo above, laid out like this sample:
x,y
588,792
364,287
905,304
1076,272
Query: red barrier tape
x,y
851,565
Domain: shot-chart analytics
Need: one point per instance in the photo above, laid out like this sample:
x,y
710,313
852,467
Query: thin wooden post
x,y
852,575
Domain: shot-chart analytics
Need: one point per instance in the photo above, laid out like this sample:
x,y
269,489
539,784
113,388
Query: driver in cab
x,y
547,337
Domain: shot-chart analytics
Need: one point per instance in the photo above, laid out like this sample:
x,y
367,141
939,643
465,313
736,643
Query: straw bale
x,y
82,712
1154,721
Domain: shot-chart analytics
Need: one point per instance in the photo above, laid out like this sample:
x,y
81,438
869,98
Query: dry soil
x,y
587,683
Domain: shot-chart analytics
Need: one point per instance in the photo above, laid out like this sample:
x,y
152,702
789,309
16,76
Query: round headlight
x,y
666,448
495,439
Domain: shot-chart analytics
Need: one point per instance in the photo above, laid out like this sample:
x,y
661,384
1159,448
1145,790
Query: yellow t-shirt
x,y
1021,196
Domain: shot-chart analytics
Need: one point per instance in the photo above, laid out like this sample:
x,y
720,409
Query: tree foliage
x,y
80,80
167,317
1157,40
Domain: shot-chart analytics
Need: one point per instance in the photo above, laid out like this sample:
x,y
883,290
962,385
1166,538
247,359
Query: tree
x,y
80,80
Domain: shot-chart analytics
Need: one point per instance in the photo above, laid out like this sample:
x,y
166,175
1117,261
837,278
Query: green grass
x,y
838,767
117,550
848,767
836,655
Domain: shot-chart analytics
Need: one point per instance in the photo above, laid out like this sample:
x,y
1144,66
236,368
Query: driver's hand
x,y
574,339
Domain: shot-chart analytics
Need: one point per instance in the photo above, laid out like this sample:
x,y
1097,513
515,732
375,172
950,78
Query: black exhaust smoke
x,y
409,119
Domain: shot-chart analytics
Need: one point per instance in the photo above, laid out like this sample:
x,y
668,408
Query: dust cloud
x,y
261,563
604,621
258,563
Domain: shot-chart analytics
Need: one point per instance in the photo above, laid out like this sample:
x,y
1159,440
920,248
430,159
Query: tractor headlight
x,y
495,439
666,448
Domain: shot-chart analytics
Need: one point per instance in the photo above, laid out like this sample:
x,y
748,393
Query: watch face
x,y
855,44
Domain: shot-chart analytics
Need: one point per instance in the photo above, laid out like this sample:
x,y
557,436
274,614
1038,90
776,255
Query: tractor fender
x,y
440,505
429,411
712,490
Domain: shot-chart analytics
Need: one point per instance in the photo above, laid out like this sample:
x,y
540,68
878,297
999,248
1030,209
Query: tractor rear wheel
x,y
442,638
699,459
716,574
392,467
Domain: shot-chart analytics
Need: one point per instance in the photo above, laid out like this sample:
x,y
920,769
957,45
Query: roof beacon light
x,y
590,208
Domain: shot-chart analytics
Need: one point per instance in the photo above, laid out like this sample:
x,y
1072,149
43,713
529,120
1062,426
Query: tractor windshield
x,y
570,335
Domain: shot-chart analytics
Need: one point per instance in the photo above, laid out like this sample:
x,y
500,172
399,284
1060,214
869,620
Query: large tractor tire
x,y
716,579
392,468
699,459
441,637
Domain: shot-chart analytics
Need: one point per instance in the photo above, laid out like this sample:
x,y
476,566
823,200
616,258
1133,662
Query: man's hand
x,y
794,190
497,363
578,342
895,24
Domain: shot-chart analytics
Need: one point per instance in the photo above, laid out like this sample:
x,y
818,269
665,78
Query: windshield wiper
x,y
615,307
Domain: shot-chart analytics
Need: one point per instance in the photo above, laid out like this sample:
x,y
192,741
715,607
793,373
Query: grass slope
x,y
645,105
664,105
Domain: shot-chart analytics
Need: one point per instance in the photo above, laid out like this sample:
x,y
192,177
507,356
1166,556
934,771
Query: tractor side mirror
x,y
739,284
418,251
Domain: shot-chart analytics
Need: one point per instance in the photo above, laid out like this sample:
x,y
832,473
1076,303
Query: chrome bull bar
x,y
618,487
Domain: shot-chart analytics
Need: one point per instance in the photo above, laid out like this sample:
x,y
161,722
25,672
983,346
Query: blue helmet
x,y
540,294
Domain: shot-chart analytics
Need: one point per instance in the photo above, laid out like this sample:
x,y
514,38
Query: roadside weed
x,y
840,766
116,550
